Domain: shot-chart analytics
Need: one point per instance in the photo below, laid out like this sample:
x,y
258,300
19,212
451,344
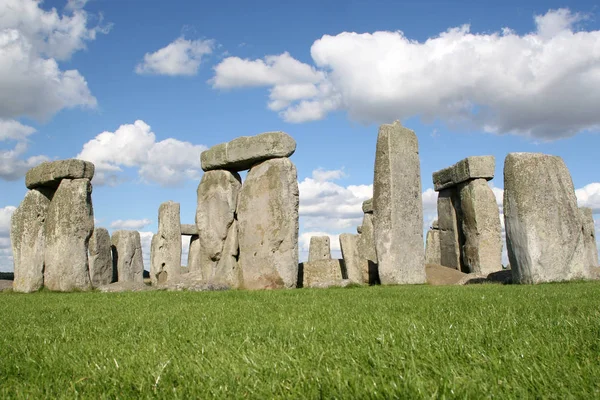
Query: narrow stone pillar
x,y
432,245
100,258
127,256
352,259
448,208
589,236
165,250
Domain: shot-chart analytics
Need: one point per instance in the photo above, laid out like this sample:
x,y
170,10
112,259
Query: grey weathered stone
x,y
193,262
367,206
127,256
366,250
397,206
165,250
227,271
319,248
435,224
469,168
352,260
100,258
481,228
218,193
50,173
27,239
359,229
320,271
544,234
589,237
243,152
448,210
189,229
432,247
68,227
268,225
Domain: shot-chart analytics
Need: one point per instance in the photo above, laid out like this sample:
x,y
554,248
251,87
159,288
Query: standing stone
x,y
352,260
448,208
165,249
268,226
68,228
482,249
127,256
217,199
319,248
432,247
100,258
27,238
397,207
314,273
366,249
193,262
227,271
544,234
589,237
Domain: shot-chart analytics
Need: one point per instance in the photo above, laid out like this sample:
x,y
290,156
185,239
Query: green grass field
x,y
478,341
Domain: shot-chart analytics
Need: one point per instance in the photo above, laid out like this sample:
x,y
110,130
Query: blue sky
x,y
142,87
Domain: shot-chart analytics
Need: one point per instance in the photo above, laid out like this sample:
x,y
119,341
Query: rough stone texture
x,y
397,207
165,250
352,260
359,229
469,168
218,193
432,247
100,258
68,227
544,233
268,226
189,230
439,275
367,206
244,152
366,250
589,237
227,271
319,248
27,238
127,256
193,262
448,209
319,271
435,224
482,248
50,173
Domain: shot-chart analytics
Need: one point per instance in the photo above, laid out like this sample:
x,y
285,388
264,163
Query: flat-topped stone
x,y
189,229
320,271
469,168
242,153
50,173
367,206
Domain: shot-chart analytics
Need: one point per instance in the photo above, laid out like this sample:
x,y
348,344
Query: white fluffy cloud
x,y
12,166
589,196
167,162
134,224
543,84
180,57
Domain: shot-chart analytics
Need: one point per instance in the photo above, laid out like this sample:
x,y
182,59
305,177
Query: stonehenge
x,y
127,257
165,248
433,253
319,248
100,258
468,226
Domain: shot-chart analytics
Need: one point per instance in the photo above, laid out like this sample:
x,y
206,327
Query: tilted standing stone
x,y
68,227
27,238
589,236
217,200
127,256
398,209
268,226
448,209
319,248
100,258
544,234
352,260
193,262
432,245
165,249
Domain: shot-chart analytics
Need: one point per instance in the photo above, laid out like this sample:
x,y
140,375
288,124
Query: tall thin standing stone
x,y
165,252
352,259
100,258
193,262
432,245
448,209
398,208
127,256
589,236
366,249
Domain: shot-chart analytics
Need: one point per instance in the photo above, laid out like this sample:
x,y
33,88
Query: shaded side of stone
x,y
50,173
319,248
100,258
193,261
448,208
366,250
128,261
352,260
589,237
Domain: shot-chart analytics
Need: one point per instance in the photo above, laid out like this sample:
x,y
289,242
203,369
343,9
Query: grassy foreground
x,y
409,342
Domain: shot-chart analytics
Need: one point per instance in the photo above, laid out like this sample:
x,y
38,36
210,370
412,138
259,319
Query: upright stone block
x,y
589,237
366,250
165,252
432,247
319,248
27,239
397,207
268,226
50,173
482,250
100,258
217,200
127,256
193,262
68,228
354,263
318,272
544,233
448,208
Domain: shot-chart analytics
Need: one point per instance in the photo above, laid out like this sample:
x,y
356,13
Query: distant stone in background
x,y
127,256
319,248
544,230
27,238
165,251
589,236
189,230
397,207
193,262
352,260
432,245
320,271
100,258
367,251
268,225
68,227
448,209
50,173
